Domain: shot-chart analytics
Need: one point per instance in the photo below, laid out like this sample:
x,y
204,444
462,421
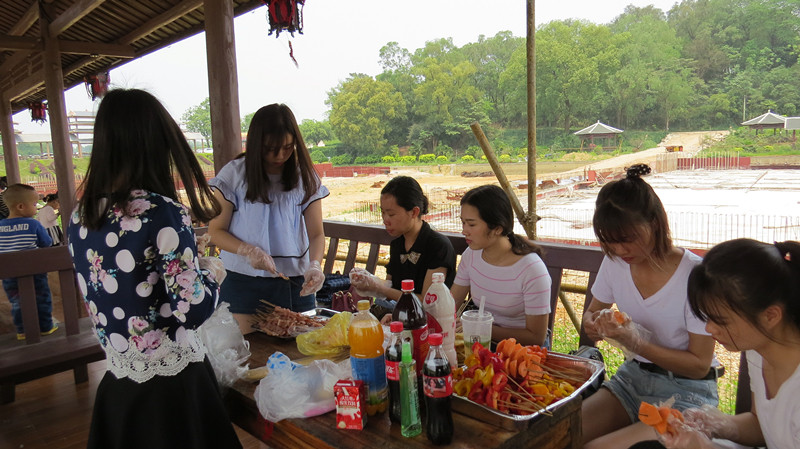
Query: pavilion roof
x,y
597,128
94,36
769,118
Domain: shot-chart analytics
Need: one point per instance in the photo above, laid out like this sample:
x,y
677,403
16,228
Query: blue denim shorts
x,y
633,385
244,293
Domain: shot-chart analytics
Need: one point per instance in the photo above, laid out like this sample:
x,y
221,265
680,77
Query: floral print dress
x,y
146,294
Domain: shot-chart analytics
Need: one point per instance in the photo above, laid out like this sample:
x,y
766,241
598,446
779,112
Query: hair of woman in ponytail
x,y
494,208
747,276
624,207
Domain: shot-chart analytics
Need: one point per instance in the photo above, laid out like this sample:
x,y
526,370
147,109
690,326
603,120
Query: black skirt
x,y
166,412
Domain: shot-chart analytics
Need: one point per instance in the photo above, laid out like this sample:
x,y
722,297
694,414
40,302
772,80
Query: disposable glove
x,y
366,283
256,257
214,266
620,331
685,437
314,279
712,422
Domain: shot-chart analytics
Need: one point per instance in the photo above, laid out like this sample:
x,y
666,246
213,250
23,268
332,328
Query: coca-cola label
x,y
438,387
433,326
392,370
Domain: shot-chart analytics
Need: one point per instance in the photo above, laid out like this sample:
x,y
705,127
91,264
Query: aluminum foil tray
x,y
593,370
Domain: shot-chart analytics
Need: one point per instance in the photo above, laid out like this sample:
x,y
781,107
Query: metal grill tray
x,y
593,370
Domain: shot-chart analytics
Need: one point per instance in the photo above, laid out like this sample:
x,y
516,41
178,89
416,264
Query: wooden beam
x,y
223,83
12,61
9,144
97,49
15,43
26,21
160,20
74,13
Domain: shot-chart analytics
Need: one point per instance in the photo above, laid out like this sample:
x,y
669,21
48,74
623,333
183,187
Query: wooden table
x,y
562,430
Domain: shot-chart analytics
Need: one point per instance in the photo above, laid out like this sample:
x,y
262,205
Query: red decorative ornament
x,y
38,112
97,85
285,15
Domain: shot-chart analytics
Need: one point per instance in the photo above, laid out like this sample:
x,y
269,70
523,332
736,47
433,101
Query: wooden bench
x,y
69,348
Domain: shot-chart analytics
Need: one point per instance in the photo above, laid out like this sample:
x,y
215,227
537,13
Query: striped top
x,y
20,233
511,292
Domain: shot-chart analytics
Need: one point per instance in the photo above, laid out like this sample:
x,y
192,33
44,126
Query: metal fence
x,y
696,230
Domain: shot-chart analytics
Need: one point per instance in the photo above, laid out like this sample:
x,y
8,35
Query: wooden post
x,y
223,83
531,57
59,133
501,176
9,143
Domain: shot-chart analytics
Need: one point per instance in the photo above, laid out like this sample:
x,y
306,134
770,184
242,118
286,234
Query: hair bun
x,y
637,171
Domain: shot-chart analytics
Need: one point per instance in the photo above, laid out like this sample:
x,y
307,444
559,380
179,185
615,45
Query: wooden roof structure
x,y
768,120
47,46
598,130
93,36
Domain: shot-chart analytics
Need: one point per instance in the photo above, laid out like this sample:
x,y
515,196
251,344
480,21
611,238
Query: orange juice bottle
x,y
366,357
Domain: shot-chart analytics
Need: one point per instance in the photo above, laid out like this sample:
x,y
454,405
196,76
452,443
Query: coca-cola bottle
x,y
394,355
409,311
438,386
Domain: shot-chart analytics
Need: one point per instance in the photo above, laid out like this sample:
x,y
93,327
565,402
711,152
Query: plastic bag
x,y
629,336
329,340
290,390
225,346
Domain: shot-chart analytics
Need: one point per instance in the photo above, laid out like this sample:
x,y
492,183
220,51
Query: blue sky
x,y
339,38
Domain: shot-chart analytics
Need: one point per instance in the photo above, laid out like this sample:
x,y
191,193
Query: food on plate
x,y
279,322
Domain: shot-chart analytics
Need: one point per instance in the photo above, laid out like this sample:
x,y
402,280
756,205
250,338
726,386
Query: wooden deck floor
x,y
54,413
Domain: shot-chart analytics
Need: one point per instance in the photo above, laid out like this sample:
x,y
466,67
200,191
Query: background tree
x,y
316,131
198,119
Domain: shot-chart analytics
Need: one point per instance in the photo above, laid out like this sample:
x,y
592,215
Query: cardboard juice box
x,y
351,404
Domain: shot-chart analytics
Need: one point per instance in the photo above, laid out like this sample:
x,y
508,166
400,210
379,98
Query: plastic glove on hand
x,y
618,329
214,266
712,422
685,437
366,283
257,258
314,279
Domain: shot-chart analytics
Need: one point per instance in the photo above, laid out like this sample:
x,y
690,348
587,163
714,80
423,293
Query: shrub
x,y
408,159
388,159
506,158
467,158
427,158
318,157
442,159
342,159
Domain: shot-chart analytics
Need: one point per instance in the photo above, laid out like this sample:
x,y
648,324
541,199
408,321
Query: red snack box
x,y
351,404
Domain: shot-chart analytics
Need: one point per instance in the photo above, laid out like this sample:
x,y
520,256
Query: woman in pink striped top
x,y
503,267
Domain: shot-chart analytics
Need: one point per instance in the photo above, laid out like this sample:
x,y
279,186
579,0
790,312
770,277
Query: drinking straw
x,y
482,305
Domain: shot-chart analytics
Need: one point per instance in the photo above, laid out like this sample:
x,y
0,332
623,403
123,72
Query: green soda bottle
x,y
410,422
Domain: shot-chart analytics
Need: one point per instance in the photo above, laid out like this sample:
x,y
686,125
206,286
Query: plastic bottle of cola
x,y
409,311
441,309
394,355
438,386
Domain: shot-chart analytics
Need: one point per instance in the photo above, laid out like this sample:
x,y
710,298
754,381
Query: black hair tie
x,y
637,171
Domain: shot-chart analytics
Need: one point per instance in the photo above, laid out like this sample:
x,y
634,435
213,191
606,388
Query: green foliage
x,y
318,157
246,121
427,158
442,159
198,119
506,158
388,159
342,159
315,131
408,159
368,159
744,142
467,158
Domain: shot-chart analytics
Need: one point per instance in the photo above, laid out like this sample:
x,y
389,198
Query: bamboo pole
x,y
501,176
531,74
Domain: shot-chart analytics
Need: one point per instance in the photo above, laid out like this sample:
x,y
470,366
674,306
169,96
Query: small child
x,y
20,231
48,217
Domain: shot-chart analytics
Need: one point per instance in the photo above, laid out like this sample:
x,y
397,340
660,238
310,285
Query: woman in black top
x,y
417,251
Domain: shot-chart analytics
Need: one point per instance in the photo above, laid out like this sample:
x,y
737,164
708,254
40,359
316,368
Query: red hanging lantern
x,y
38,112
285,15
97,85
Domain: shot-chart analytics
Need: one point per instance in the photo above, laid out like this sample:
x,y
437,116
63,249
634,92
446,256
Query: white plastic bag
x,y
226,348
291,390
